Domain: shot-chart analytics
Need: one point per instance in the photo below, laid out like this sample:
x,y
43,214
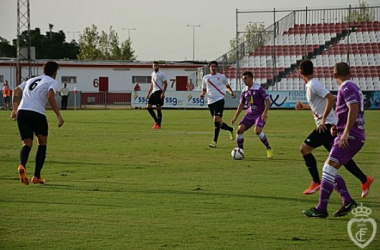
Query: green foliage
x,y
114,183
363,13
6,49
103,46
253,38
49,46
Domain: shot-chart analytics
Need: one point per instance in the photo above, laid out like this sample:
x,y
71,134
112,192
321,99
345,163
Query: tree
x,y
363,13
6,49
49,46
104,46
127,53
253,38
88,44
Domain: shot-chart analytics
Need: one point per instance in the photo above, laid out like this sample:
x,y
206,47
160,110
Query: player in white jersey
x,y
31,119
321,102
157,88
216,85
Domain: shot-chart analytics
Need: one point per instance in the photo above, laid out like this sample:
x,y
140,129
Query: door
x,y
181,83
103,83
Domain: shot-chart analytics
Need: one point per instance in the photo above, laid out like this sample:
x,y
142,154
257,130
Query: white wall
x,y
119,79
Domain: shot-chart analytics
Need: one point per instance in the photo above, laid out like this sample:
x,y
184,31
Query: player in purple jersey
x,y
257,101
320,102
350,139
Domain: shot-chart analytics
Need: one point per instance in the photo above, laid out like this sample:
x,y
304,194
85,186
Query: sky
x,y
161,27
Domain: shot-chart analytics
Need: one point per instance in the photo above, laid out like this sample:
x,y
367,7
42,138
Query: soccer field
x,y
114,183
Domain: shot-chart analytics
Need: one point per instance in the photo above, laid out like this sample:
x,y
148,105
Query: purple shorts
x,y
343,155
250,120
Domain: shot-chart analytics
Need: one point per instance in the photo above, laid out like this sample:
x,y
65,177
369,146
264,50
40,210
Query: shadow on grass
x,y
195,192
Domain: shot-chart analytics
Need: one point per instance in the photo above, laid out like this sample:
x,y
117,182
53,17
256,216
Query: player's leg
x,y
159,116
306,148
246,123
259,125
159,107
65,102
240,135
314,140
6,102
337,157
217,122
41,130
26,134
40,159
219,109
351,166
149,107
330,180
211,108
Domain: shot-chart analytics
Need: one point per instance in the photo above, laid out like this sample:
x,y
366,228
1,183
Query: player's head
x,y
213,66
65,85
342,71
247,78
306,68
156,66
51,68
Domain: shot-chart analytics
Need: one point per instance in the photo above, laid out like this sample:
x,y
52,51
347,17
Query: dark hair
x,y
342,69
248,73
306,67
50,68
156,62
212,62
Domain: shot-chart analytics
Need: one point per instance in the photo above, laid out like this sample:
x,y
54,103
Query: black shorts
x,y
7,99
315,139
30,122
217,108
155,99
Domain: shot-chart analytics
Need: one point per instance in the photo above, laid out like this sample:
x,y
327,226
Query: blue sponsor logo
x,y
142,99
198,100
171,100
274,101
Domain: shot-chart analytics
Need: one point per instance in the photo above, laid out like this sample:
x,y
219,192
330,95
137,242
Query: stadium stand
x,y
325,44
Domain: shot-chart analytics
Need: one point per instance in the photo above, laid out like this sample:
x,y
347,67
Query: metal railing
x,y
306,21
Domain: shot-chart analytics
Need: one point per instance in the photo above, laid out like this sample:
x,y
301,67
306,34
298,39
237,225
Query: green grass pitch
x,y
114,183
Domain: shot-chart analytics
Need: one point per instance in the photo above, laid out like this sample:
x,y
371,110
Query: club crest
x,y
362,229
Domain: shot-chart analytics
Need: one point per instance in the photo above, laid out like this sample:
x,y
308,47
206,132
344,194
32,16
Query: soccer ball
x,y
237,153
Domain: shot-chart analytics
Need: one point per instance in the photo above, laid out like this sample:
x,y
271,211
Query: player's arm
x,y
203,94
164,90
204,88
353,111
264,116
16,97
150,90
54,106
301,105
230,91
238,111
330,100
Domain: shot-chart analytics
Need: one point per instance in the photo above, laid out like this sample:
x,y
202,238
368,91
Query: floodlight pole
x,y
194,26
129,29
73,32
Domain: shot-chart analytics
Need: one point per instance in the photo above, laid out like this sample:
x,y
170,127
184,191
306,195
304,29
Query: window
x,y
141,79
69,79
1,78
